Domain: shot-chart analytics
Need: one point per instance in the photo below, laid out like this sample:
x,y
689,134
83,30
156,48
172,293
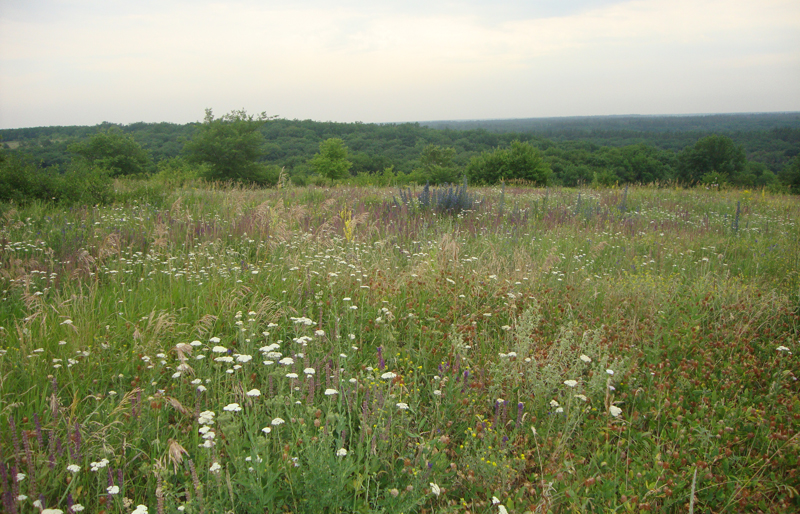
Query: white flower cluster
x,y
302,321
96,466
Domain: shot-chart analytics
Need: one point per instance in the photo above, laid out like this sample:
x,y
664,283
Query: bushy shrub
x,y
521,161
114,152
22,182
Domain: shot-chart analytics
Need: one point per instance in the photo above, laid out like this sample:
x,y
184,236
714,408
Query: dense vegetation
x,y
216,348
749,150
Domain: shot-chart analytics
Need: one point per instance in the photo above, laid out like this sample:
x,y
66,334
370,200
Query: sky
x,y
82,62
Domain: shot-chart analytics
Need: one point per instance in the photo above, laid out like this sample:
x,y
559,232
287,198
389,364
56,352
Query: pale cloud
x,y
394,62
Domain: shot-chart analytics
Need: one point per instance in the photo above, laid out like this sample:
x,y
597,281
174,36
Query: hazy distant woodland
x,y
617,149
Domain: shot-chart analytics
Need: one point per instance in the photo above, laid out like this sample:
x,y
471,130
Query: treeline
x,y
565,151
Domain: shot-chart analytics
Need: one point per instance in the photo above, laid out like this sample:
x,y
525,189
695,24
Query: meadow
x,y
225,349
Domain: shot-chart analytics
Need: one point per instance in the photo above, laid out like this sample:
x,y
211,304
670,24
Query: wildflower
x,y
331,392
388,375
495,500
113,489
286,361
219,349
73,468
266,430
437,392
402,406
341,452
59,511
501,510
232,407
586,358
581,397
253,392
214,339
224,358
291,375
77,507
196,343
435,490
559,410
201,388
319,333
206,417
22,498
610,371
277,421
570,383
309,371
215,468
614,411
140,509
21,477
783,349
244,358
96,466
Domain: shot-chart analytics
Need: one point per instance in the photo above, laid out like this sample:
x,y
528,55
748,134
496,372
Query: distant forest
x,y
578,150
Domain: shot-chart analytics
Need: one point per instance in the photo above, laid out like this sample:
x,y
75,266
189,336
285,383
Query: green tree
x,y
520,161
712,155
231,147
437,163
113,151
790,176
331,161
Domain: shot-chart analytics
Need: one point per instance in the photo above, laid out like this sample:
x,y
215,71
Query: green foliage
x,y
437,164
790,176
712,154
230,147
114,151
604,178
331,161
521,161
177,171
21,182
637,150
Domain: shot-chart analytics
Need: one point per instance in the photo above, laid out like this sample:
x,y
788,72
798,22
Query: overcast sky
x,y
81,62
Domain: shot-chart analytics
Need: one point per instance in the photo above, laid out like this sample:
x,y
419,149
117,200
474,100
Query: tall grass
x,y
212,349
